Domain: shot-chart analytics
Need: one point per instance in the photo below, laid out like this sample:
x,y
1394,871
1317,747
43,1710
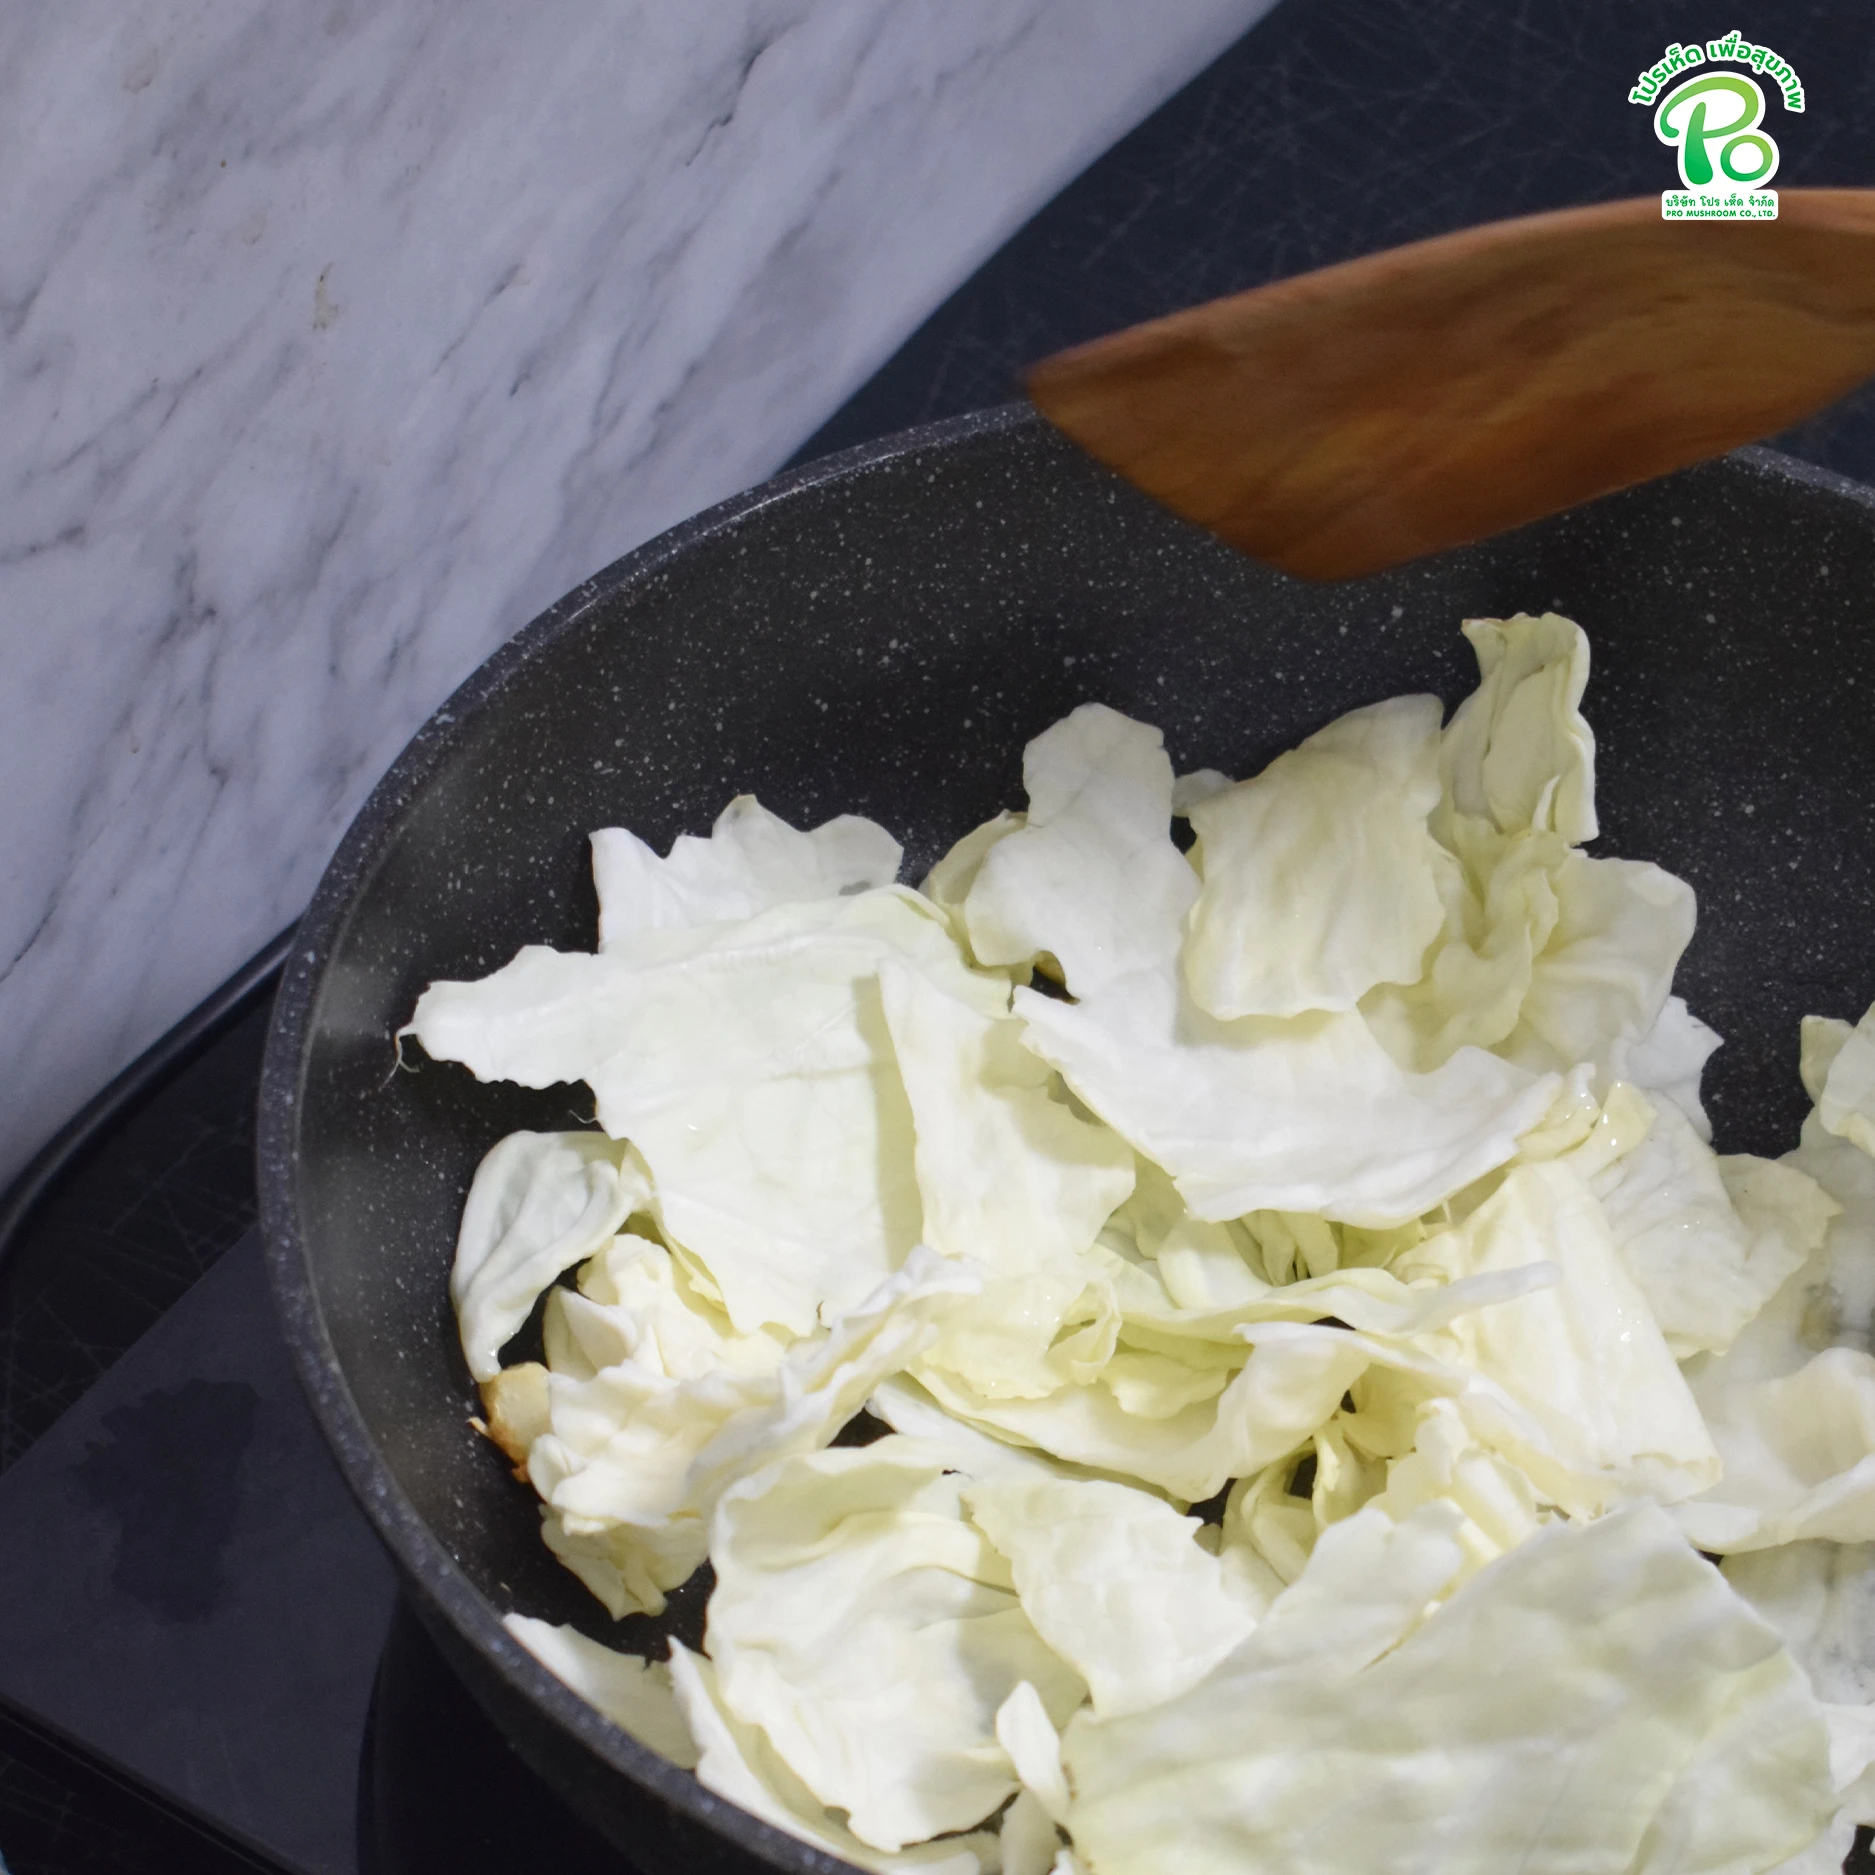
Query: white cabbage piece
x,y
1597,1699
636,1462
751,1067
1092,879
753,860
1189,790
871,1632
1518,752
1600,985
1669,1205
1116,1584
539,1204
948,883
736,1761
634,1694
1290,1383
1446,1463
1846,1106
1007,1174
1789,1476
1820,1597
1670,1060
1320,877
1033,1742
1602,1408
1821,1040
1799,1454
1310,1114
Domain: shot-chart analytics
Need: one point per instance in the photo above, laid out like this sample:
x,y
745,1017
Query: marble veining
x,y
337,340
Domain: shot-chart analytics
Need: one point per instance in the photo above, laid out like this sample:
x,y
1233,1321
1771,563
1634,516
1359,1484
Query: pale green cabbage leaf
x,y
539,1204
752,861
751,1067
1320,877
871,1631
636,1461
1595,1700
634,1694
1117,1585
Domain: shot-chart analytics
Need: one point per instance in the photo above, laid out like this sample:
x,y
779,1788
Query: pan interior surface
x,y
880,634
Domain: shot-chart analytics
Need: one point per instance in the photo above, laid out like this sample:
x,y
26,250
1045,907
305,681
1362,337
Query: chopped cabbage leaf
x,y
1821,1040
1703,1273
752,861
539,1204
1846,1105
1446,1462
1597,1699
1291,1382
1306,1114
636,1462
1033,1742
752,1069
1115,1583
1518,752
1799,1454
736,1761
1670,1059
948,883
1788,1476
1093,879
634,1694
1820,1597
1309,1114
1320,877
637,1303
1598,989
1007,1174
1583,1360
871,1632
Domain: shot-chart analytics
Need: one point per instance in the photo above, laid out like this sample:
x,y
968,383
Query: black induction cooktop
x,y
204,1664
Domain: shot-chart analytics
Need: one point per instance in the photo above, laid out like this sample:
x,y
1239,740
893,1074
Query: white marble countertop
x,y
337,340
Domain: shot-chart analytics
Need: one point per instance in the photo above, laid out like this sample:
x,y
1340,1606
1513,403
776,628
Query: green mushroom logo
x,y
1714,120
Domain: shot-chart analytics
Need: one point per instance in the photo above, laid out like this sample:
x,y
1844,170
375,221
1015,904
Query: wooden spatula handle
x,y
1345,420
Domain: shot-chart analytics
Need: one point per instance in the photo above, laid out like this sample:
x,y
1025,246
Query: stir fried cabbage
x,y
1227,1356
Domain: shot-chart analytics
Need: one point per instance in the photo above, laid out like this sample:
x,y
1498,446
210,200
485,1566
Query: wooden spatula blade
x,y
1346,420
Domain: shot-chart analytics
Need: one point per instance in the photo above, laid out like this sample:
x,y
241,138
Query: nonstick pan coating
x,y
880,633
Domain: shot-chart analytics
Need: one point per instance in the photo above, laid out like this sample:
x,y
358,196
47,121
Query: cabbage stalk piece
x,y
871,1632
752,861
1320,877
634,1694
1116,1583
539,1204
1597,1699
737,1762
636,1462
750,1066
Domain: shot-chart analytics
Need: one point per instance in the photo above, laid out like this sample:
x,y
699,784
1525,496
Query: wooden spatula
x,y
1343,421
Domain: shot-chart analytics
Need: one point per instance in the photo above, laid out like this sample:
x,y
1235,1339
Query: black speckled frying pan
x,y
880,633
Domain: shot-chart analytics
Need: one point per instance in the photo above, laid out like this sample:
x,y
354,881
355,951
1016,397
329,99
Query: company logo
x,y
1713,121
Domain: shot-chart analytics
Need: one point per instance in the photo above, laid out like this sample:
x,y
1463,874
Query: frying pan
x,y
880,633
